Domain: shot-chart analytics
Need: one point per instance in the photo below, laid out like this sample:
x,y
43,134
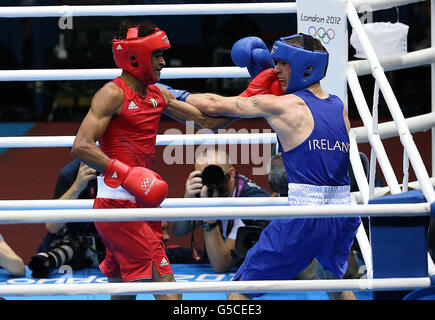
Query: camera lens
x,y
45,262
213,177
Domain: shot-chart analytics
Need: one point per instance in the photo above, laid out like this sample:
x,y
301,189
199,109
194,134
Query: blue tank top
x,y
323,158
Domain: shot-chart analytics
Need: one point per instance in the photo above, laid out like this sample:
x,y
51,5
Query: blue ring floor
x,y
182,273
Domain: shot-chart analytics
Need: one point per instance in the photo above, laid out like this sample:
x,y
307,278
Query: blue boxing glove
x,y
180,95
252,53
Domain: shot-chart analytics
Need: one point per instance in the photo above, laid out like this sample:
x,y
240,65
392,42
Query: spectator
x,y
10,261
76,181
215,176
278,177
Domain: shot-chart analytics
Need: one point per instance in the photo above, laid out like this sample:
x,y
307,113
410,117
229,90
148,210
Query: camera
x,y
66,250
248,235
213,177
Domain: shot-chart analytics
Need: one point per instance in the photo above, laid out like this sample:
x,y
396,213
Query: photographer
x,y
76,244
215,176
10,261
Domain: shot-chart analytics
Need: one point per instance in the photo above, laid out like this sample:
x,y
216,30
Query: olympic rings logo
x,y
325,35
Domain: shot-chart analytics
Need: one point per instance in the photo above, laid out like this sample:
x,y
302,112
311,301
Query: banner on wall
x,y
326,20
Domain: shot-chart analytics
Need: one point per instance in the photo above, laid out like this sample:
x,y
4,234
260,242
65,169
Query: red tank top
x,y
131,136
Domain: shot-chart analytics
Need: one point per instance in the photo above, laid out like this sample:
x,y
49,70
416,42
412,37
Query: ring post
x,y
326,20
399,244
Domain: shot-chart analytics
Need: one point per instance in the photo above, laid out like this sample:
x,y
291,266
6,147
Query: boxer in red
x,y
123,118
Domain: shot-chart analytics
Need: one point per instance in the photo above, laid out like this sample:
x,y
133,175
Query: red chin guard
x,y
133,54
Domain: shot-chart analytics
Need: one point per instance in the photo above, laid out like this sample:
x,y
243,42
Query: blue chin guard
x,y
300,60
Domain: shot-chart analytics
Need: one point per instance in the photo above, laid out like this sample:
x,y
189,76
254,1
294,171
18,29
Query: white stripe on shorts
x,y
307,195
107,192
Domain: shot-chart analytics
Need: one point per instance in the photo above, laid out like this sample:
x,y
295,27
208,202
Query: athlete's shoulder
x,y
112,89
162,91
109,94
294,99
291,100
293,105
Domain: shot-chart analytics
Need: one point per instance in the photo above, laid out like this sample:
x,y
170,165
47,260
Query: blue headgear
x,y
300,59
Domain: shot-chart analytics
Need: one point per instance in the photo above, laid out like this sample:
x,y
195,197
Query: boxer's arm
x,y
10,261
84,175
184,111
265,106
106,103
219,250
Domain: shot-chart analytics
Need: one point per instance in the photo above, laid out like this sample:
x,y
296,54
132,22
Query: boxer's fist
x,y
145,185
252,53
265,83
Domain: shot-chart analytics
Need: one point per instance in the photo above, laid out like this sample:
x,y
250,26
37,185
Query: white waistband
x,y
112,193
306,194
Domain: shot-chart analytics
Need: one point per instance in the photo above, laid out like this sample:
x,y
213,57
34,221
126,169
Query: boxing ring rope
x,y
386,130
393,105
408,60
362,67
226,139
371,122
161,140
197,139
106,74
374,138
371,126
167,203
416,58
273,212
215,286
170,214
198,213
376,5
148,10
176,9
56,204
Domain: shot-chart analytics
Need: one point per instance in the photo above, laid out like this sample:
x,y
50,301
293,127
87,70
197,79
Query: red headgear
x,y
133,54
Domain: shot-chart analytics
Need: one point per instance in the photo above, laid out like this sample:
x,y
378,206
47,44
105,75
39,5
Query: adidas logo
x,y
119,47
132,105
114,175
164,262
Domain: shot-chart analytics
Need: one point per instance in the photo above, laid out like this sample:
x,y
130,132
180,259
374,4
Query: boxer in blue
x,y
312,128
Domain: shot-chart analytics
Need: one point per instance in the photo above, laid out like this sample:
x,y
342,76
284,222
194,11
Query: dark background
x,y
197,40
57,107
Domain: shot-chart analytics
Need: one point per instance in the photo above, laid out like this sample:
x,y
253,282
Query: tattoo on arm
x,y
249,107
255,102
241,104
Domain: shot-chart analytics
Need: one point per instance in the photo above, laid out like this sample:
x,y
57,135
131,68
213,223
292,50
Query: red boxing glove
x,y
266,82
145,185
